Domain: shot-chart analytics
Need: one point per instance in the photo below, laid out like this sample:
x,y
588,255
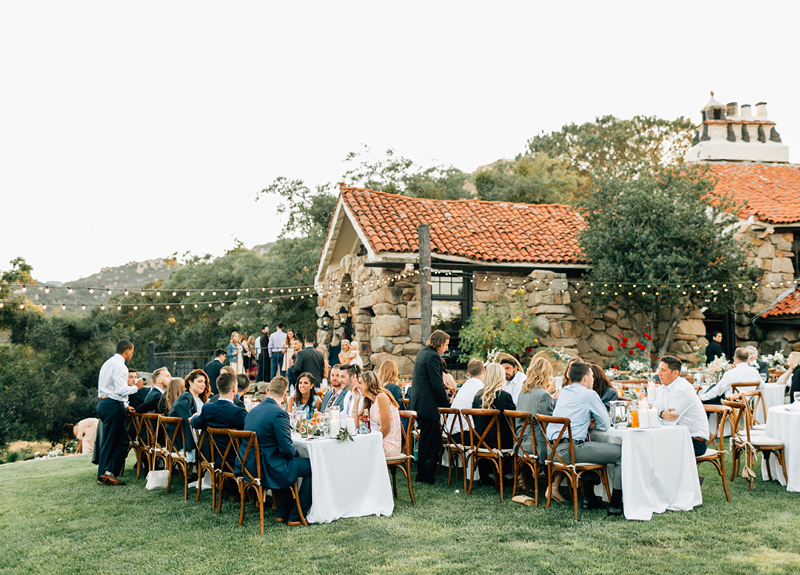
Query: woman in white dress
x,y
355,356
384,414
236,353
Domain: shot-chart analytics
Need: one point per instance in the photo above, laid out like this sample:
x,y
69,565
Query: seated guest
x,y
493,397
535,399
140,396
162,403
465,395
514,376
582,406
603,387
741,373
760,366
791,377
304,398
349,375
335,395
190,402
213,367
281,465
222,414
678,404
85,431
242,384
387,374
383,412
565,381
160,379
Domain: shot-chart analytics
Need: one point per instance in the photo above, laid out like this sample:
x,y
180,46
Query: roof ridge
x,y
469,200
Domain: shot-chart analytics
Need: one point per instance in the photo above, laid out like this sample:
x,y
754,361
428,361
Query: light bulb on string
x,y
126,292
69,290
47,290
91,290
109,292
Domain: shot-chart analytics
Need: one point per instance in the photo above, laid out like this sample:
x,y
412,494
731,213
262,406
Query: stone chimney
x,y
727,134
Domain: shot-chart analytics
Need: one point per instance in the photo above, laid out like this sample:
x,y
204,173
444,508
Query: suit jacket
x,y
310,360
236,401
185,408
224,415
212,369
326,399
152,393
138,398
271,424
427,389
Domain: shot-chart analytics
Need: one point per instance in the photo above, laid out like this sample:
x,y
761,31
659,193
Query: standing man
x,y
213,367
262,354
714,348
113,391
514,376
310,360
678,404
428,394
275,350
281,465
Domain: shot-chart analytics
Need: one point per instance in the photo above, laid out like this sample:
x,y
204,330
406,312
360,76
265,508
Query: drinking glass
x,y
797,397
763,377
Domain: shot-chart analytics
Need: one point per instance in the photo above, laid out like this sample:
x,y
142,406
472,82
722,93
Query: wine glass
x,y
763,377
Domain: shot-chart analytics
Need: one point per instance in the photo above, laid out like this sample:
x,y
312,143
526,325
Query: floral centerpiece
x,y
774,360
716,368
629,357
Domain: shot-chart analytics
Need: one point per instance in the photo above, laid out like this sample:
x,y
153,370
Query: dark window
x,y
796,255
451,293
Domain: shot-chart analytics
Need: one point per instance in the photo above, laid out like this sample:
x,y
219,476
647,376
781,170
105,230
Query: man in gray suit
x,y
334,397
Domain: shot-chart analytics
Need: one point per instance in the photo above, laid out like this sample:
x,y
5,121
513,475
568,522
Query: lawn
x,y
55,519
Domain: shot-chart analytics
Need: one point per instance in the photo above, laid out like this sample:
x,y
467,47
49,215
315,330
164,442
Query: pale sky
x,y
129,131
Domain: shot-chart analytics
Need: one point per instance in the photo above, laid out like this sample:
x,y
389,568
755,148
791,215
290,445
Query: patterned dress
x,y
392,441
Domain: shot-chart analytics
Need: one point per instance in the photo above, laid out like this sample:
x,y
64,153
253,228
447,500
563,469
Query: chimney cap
x,y
712,104
761,104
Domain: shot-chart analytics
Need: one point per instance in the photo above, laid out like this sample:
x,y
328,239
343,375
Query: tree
x,y
529,180
659,243
612,146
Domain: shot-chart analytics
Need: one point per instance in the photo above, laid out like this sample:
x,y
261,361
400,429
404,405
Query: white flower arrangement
x,y
774,360
562,354
638,366
719,365
492,355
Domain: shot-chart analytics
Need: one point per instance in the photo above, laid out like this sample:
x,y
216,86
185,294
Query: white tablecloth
x,y
348,479
774,394
658,470
784,423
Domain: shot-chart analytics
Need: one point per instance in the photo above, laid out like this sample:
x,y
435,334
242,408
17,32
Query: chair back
x,y
566,427
250,441
220,455
716,438
478,440
527,425
136,420
737,407
149,431
164,422
451,417
205,452
408,446
754,398
745,386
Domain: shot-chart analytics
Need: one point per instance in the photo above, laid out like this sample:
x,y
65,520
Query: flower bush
x,y
629,356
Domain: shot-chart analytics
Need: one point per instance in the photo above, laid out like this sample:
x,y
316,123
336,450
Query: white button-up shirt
x,y
113,380
514,387
741,373
681,396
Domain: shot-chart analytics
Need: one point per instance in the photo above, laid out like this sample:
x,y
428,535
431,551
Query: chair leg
x,y
765,460
261,503
535,471
471,474
242,493
574,484
500,476
408,477
604,479
722,474
394,481
296,494
169,478
450,466
516,475
549,485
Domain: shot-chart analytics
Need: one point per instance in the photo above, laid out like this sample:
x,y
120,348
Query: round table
x,y
774,394
783,423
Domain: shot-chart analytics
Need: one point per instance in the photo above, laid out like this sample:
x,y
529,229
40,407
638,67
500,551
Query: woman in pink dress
x,y
383,410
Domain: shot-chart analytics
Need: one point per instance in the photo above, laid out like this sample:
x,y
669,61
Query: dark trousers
x,y
286,506
700,447
263,366
114,446
430,441
290,376
713,401
276,363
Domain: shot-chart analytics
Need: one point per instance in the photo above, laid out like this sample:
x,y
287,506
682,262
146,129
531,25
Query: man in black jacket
x,y
428,394
714,347
310,360
213,367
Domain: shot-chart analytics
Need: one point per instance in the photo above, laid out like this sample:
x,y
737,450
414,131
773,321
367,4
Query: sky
x,y
130,131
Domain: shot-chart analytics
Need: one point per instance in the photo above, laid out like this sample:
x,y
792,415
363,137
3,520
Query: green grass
x,y
55,519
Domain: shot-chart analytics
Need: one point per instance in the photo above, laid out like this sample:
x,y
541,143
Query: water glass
x,y
797,397
763,377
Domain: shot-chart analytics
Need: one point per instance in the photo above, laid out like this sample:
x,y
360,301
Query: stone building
x,y
485,251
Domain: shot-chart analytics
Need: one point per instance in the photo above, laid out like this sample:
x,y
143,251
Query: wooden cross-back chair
x,y
205,463
403,461
481,450
744,386
149,435
454,430
522,457
221,447
137,441
573,471
172,456
715,454
754,398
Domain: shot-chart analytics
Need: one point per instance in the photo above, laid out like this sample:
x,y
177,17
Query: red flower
x,y
615,367
610,348
528,349
630,352
620,335
625,339
623,344
648,337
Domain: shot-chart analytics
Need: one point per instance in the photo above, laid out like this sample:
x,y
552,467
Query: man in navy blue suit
x,y
213,367
222,413
281,465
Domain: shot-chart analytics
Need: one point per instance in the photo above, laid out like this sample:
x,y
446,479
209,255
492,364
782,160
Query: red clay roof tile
x,y
772,191
790,305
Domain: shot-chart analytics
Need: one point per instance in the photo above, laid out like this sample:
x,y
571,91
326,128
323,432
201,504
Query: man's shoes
x,y
592,502
109,480
280,520
615,505
294,524
614,511
701,481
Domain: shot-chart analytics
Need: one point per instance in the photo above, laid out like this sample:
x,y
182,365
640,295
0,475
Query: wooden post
x,y
424,234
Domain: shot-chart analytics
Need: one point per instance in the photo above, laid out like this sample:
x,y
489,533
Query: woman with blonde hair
x,y
344,353
163,403
387,374
384,415
355,356
493,397
236,353
792,375
288,353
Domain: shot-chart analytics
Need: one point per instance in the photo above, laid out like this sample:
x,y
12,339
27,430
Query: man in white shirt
x,y
275,350
348,374
678,404
514,376
113,391
742,372
465,395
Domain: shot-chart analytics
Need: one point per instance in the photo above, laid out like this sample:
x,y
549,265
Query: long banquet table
x,y
348,479
659,471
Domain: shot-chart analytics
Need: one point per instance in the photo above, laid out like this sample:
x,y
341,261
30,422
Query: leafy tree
x,y
529,180
612,146
648,233
508,326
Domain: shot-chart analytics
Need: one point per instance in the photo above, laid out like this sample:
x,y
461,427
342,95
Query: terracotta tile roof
x,y
772,191
484,231
789,305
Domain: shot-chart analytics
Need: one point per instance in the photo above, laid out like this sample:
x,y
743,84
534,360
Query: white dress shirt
x,y
113,380
514,387
681,396
347,403
741,373
463,400
276,341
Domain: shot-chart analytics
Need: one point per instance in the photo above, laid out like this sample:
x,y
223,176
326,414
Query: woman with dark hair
x,y
188,404
383,411
603,387
304,398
